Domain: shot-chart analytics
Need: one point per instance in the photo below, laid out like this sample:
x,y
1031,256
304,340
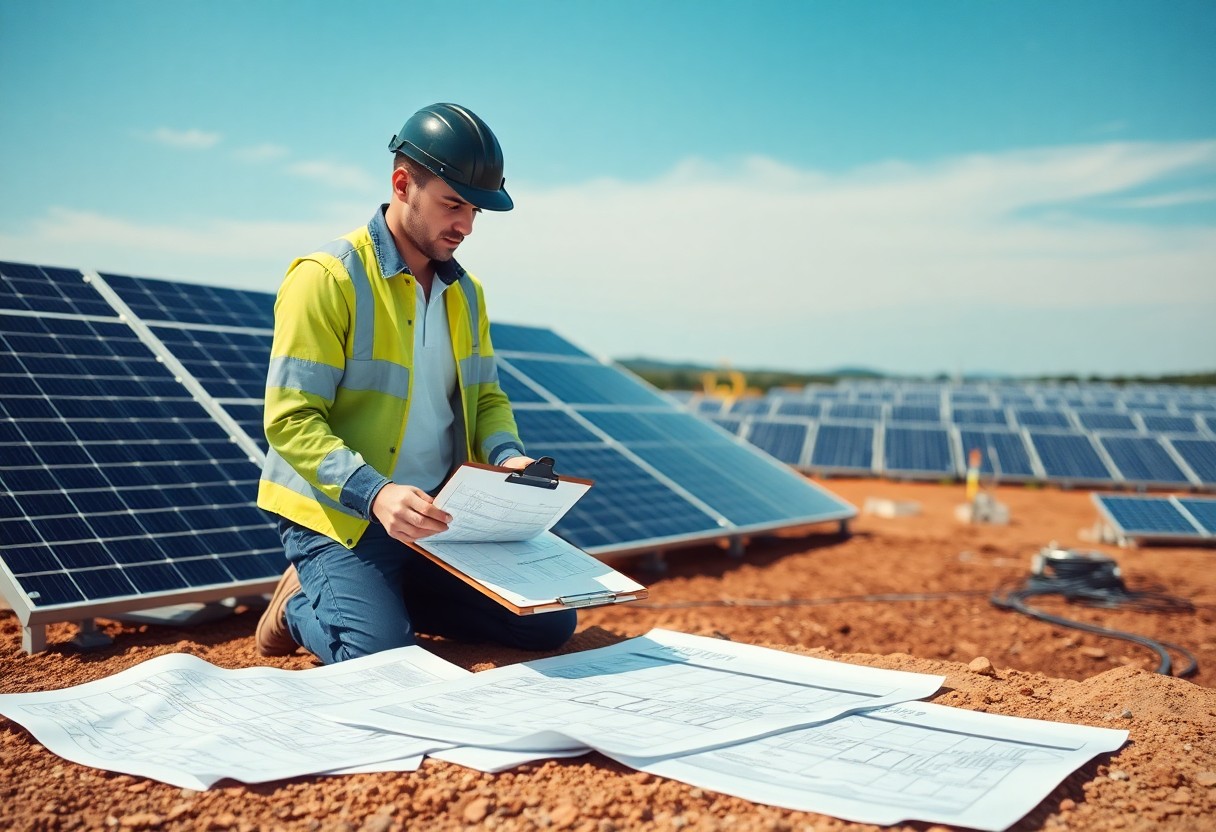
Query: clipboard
x,y
501,543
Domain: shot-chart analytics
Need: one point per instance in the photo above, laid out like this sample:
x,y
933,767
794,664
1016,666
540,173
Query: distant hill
x,y
685,375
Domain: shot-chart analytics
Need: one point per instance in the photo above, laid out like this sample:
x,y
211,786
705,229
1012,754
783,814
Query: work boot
x,y
273,637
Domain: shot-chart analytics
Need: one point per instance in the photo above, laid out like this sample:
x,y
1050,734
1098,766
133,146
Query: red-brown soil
x,y
1165,777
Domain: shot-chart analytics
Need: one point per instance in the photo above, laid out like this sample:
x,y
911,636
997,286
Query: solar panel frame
x,y
1070,447
1144,460
1142,519
904,447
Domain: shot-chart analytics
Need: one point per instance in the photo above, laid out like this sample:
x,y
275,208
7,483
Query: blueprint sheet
x,y
181,720
661,694
916,761
486,507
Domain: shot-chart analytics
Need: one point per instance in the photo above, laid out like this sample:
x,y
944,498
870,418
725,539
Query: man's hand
x,y
408,513
517,463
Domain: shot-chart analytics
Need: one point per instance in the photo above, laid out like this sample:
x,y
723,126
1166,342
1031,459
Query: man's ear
x,y
401,183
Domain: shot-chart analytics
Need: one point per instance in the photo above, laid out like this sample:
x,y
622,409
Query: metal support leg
x,y
89,637
735,548
653,562
33,638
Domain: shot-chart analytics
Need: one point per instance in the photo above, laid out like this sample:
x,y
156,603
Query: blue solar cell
x,y
1069,456
517,390
530,339
1003,453
917,451
1204,512
625,427
915,413
27,556
843,447
551,427
1146,514
1103,420
1160,423
163,300
1142,459
626,504
99,584
1042,418
729,425
750,406
789,407
37,289
710,407
51,589
848,410
1200,455
578,383
747,489
783,440
979,416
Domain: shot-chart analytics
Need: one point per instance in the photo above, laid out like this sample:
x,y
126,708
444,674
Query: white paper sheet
x,y
661,694
486,507
494,760
181,720
917,761
535,572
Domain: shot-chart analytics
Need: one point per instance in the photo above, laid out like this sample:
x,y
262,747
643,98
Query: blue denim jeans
x,y
377,595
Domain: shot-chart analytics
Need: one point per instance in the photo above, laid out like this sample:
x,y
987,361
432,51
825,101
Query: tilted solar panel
x,y
1202,511
120,490
1200,457
1148,518
843,448
1003,453
917,452
783,440
1069,457
1142,459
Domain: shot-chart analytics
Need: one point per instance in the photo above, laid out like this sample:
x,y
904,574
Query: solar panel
x,y
220,337
1042,419
1152,518
1202,511
793,407
664,476
917,452
1105,420
1003,453
979,416
1143,460
1200,457
849,410
120,489
783,440
843,449
531,340
1069,458
1159,423
915,413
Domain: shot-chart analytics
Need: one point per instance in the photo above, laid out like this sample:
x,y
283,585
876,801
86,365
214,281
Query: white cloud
x,y
978,262
336,175
265,152
192,139
1168,200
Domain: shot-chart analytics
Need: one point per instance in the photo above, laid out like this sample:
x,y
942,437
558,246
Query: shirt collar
x,y
390,260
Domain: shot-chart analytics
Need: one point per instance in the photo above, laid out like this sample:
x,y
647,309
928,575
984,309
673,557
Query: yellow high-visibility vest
x,y
338,389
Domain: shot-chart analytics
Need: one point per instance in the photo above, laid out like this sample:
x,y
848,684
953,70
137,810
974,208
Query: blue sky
x,y
921,187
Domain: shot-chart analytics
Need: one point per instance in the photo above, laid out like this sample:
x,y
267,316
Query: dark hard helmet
x,y
459,147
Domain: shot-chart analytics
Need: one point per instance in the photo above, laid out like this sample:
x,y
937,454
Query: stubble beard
x,y
416,231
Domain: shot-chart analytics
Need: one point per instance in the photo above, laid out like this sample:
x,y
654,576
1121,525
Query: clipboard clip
x,y
587,599
538,473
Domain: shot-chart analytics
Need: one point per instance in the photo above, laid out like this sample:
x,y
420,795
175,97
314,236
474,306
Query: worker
x,y
382,380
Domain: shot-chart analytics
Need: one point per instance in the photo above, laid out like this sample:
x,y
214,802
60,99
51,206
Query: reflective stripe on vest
x,y
278,471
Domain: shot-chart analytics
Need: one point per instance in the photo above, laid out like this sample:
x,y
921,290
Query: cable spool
x,y
1094,579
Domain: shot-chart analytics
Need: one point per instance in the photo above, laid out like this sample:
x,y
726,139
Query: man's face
x,y
436,219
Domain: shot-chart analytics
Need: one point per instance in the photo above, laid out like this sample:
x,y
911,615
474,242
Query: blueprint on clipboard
x,y
500,541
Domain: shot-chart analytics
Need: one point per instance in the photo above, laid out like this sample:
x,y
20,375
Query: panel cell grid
x,y
188,303
1002,453
513,338
843,448
781,440
47,289
229,365
1142,459
1069,457
1159,423
1200,455
578,383
1145,515
85,472
917,450
1204,512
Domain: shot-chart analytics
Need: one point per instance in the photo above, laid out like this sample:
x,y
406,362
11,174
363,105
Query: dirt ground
x,y
1165,777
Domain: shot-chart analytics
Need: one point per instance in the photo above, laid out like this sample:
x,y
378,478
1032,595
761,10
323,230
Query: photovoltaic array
x,y
131,440
1074,435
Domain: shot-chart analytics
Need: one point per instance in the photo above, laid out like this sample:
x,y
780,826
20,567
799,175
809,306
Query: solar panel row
x,y
1049,446
1160,518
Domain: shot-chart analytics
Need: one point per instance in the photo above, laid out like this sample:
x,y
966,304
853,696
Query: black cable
x,y
1094,580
